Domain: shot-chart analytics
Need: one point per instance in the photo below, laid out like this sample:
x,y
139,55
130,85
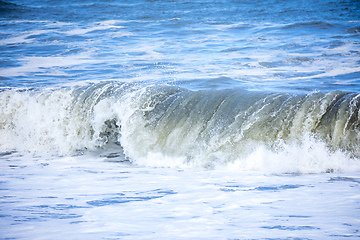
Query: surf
x,y
166,125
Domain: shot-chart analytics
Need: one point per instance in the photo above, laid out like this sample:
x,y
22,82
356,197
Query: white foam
x,y
81,31
88,198
45,123
23,37
311,156
49,65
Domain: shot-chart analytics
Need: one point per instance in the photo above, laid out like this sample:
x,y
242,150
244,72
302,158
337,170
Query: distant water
x,y
176,119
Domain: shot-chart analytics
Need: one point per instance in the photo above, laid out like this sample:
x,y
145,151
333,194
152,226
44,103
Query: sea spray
x,y
169,126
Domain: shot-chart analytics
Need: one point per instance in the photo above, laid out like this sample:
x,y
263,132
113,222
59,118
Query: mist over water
x,y
179,119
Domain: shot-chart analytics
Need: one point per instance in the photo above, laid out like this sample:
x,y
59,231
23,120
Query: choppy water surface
x,y
273,44
93,198
179,119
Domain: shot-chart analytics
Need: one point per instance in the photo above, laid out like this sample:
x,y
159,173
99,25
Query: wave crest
x,y
161,125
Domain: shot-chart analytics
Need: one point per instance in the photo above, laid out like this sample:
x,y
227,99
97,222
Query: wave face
x,y
168,126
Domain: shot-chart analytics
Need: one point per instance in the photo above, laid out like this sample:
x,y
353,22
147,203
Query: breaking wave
x,y
169,126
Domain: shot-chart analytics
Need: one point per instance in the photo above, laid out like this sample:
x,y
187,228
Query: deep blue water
x,y
282,45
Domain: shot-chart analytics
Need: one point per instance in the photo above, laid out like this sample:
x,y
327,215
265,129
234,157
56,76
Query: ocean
x,y
174,119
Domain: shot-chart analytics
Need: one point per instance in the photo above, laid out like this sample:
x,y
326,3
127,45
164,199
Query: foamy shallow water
x,y
100,198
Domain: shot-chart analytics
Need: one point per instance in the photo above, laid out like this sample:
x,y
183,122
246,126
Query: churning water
x,y
179,119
